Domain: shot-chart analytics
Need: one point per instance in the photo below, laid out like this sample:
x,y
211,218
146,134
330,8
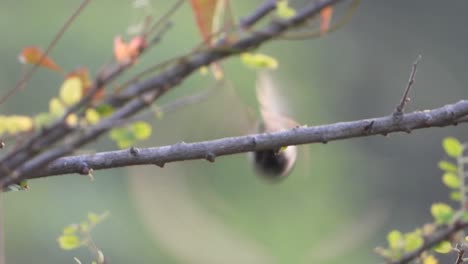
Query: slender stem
x,y
52,44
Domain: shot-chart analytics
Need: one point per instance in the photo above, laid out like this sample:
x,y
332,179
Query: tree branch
x,y
142,94
439,117
431,241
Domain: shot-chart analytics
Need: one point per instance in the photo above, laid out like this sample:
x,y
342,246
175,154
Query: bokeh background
x,y
336,206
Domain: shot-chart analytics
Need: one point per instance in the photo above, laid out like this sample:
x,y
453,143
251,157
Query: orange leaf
x,y
34,55
325,19
136,45
204,11
125,53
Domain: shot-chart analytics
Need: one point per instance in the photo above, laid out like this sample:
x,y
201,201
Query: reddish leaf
x,y
204,11
325,19
34,55
125,53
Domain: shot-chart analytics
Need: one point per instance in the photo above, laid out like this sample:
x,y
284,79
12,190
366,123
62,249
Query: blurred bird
x,y
272,164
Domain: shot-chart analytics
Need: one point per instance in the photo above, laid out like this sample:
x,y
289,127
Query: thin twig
x,y
405,99
460,254
439,236
167,108
142,94
51,45
262,10
301,35
163,20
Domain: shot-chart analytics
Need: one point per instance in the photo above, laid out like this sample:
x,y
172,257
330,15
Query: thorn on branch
x,y
407,130
254,142
324,140
210,156
134,151
405,98
85,169
368,127
159,164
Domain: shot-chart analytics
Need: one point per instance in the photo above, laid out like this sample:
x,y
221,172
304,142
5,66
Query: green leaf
x,y
452,147
71,90
43,119
92,116
93,218
70,230
69,242
123,137
23,185
395,239
105,110
442,213
125,143
284,10
447,166
259,61
430,259
443,247
451,180
455,195
413,241
56,108
142,130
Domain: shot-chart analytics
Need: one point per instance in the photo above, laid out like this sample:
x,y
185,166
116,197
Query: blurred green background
x,y
337,205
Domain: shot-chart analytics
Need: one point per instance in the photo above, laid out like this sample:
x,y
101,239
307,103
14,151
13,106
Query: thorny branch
x,y
439,117
40,150
429,242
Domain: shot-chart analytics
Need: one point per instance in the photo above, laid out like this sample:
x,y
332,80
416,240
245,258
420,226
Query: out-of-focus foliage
x,y
344,193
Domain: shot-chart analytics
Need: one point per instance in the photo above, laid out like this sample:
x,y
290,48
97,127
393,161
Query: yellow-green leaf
x,y
92,116
104,110
395,239
452,147
442,213
443,247
71,90
19,123
94,218
430,259
259,61
284,10
142,130
456,196
413,241
56,107
69,242
42,119
447,166
70,230
451,180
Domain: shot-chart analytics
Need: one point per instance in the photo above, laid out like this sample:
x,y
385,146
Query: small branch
x,y
405,99
264,9
430,242
439,117
142,94
460,255
51,45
